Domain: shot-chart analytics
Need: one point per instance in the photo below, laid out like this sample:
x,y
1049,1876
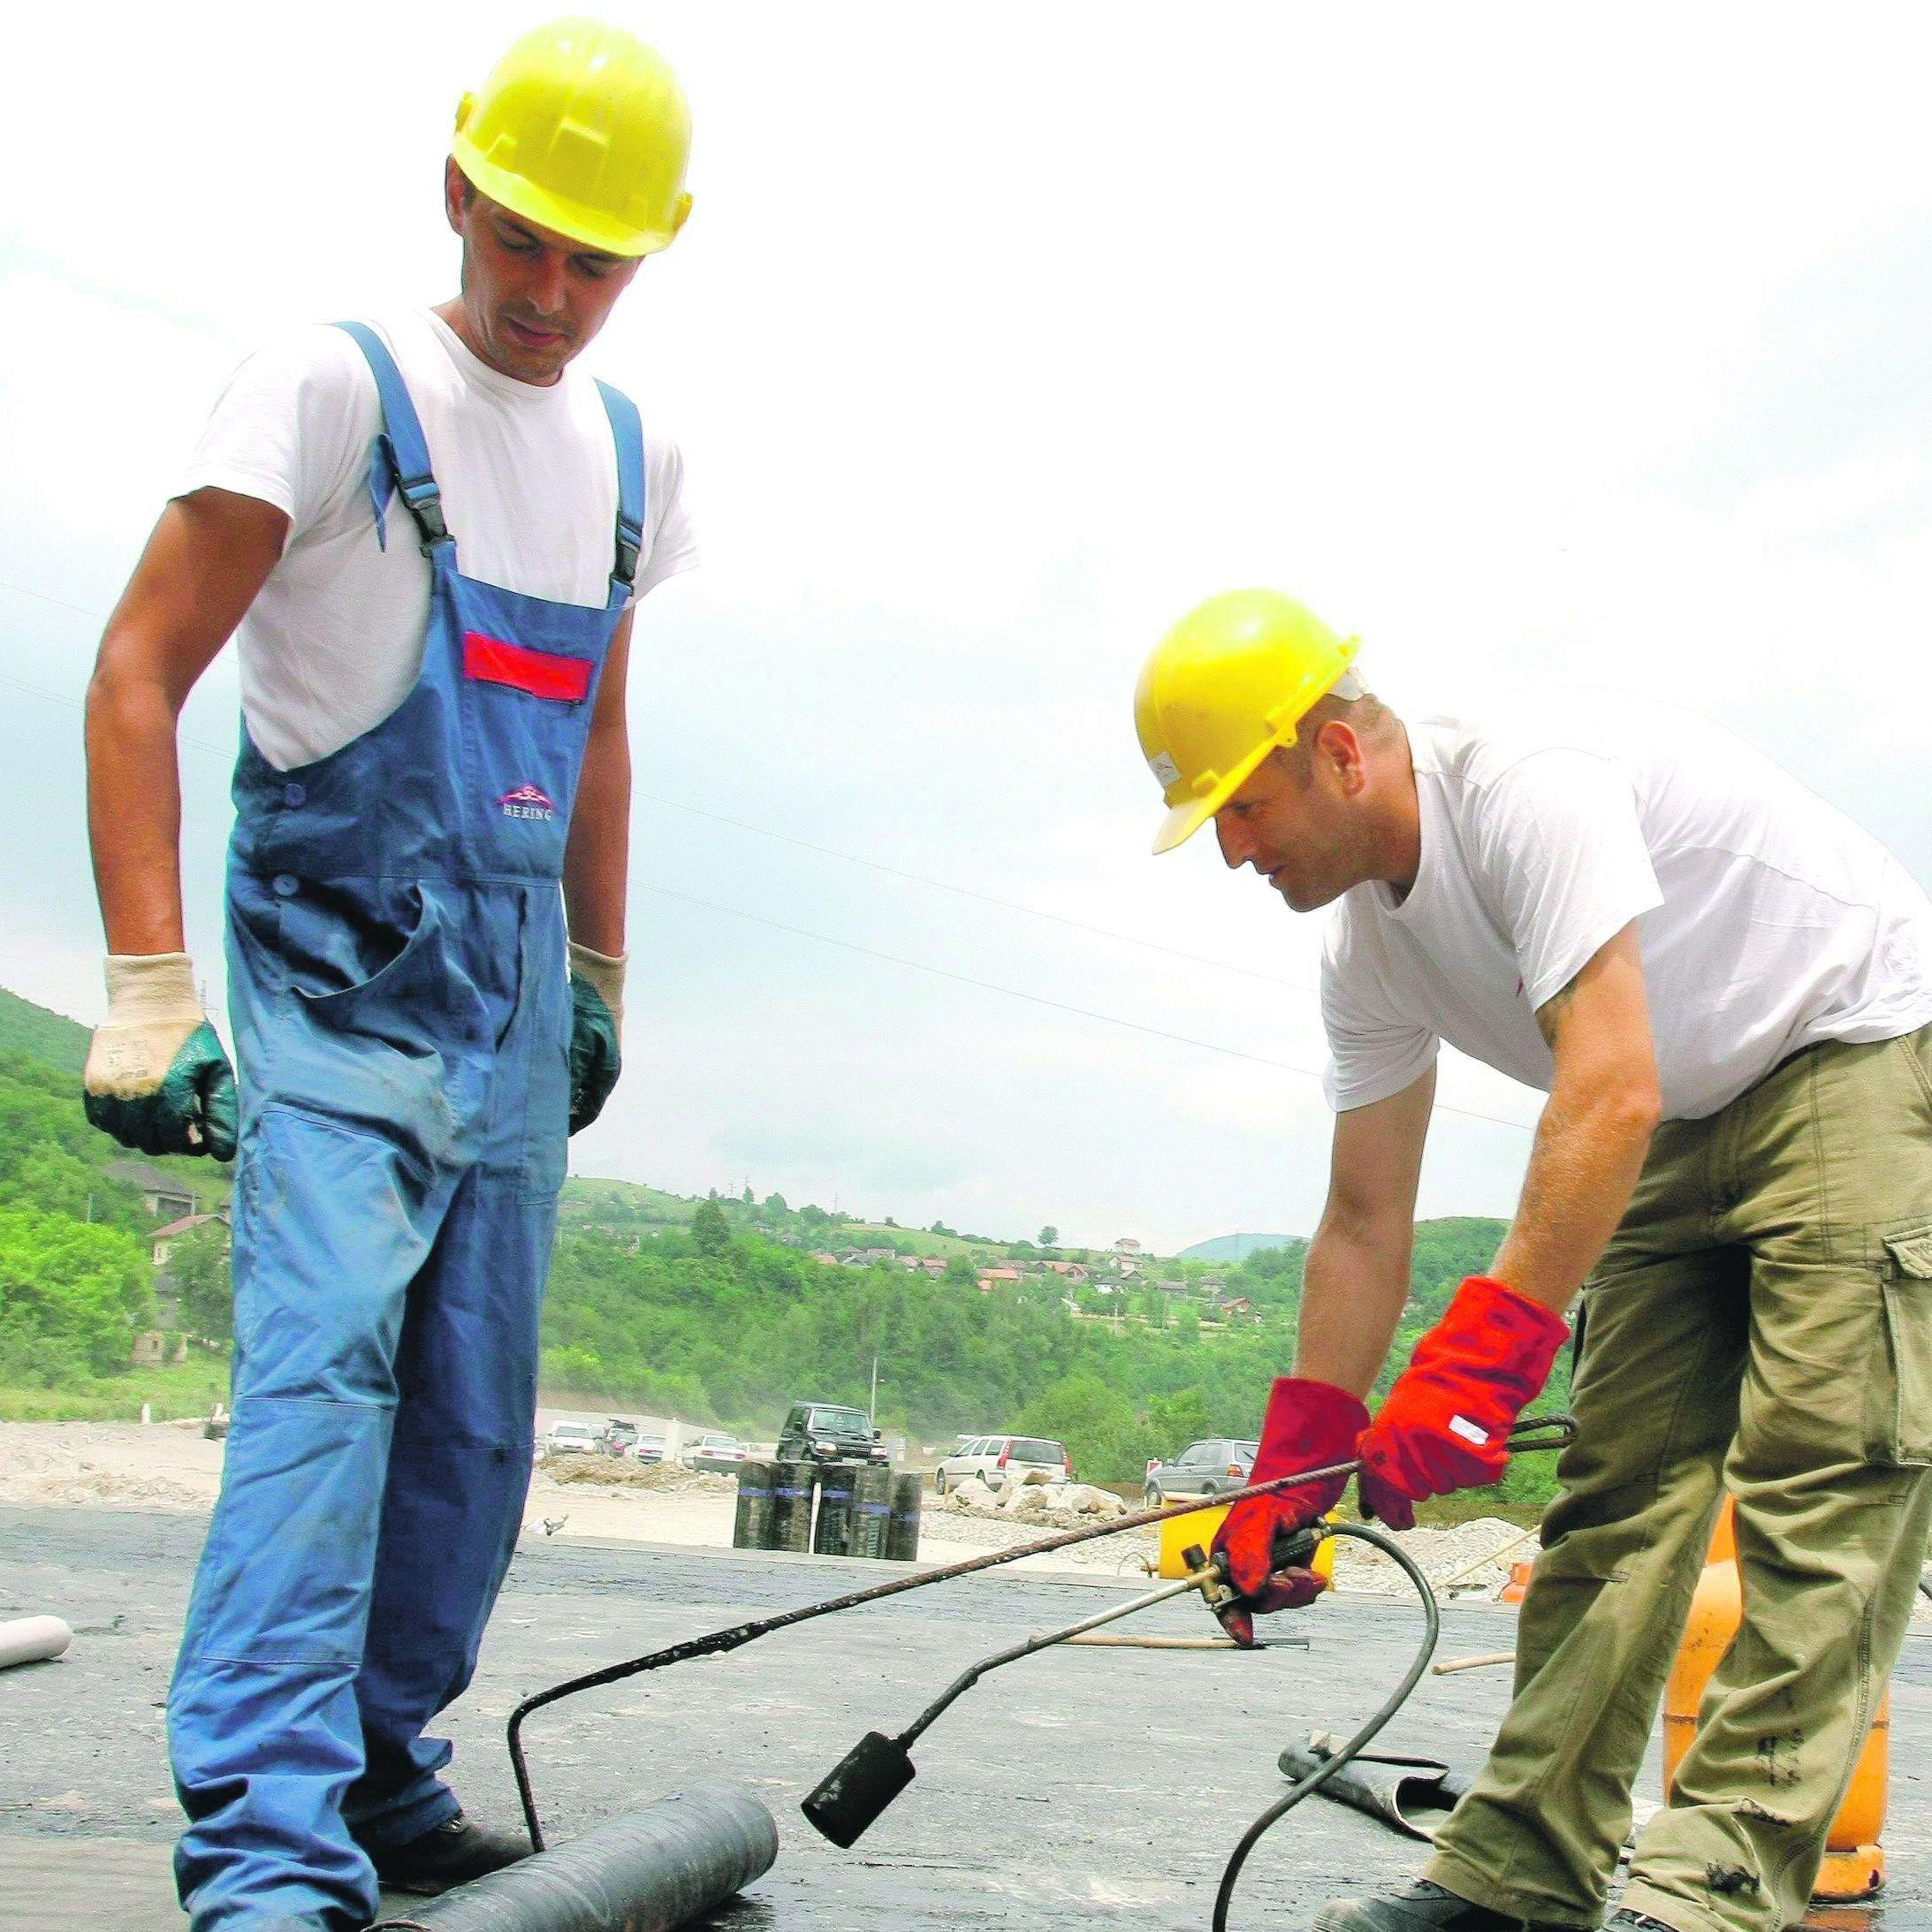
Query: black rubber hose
x,y
1361,1739
1535,1432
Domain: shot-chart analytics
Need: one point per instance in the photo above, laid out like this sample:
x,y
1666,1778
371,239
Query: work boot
x,y
451,1853
1424,1906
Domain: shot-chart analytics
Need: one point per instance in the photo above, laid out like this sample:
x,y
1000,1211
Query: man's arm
x,y
597,860
1604,1104
1355,1277
209,554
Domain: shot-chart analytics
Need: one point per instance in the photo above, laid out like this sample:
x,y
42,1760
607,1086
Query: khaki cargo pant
x,y
1762,1322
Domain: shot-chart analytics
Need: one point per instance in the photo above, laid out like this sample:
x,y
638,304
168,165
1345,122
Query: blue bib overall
x,y
401,1012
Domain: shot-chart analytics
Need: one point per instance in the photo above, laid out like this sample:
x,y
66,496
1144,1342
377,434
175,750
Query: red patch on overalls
x,y
542,673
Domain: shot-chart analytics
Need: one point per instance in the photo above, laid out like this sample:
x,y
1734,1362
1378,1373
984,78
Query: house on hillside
x,y
164,1238
161,1194
1170,1288
1069,1271
990,1279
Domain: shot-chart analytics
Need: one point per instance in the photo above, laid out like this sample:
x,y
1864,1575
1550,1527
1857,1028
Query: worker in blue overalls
x,y
428,533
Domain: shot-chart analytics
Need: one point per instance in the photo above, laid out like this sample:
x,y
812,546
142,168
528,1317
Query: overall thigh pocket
x,y
1900,1397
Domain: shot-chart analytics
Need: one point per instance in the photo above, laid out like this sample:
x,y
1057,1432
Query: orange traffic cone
x,y
1854,1865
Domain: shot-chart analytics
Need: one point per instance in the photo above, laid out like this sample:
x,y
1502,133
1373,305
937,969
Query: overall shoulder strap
x,y
628,432
400,457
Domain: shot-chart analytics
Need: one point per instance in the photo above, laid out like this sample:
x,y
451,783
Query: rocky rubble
x,y
612,1473
1063,1505
1442,1554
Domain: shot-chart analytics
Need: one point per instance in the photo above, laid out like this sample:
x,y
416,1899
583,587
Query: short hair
x,y
1366,715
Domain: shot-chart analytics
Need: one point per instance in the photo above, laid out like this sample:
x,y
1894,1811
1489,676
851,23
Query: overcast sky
x,y
1533,344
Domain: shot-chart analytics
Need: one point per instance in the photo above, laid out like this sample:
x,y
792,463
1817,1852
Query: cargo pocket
x,y
1903,1411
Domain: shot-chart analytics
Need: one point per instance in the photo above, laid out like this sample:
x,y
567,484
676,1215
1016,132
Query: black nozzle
x,y
858,1788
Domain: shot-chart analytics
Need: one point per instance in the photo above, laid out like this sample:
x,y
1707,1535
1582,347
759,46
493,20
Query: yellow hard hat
x,y
582,128
1227,685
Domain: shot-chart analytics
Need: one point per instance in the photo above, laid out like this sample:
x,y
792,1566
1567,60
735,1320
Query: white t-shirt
x,y
1768,919
333,642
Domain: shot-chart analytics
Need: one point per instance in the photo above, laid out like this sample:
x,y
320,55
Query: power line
x,y
896,959
881,865
1034,999
984,898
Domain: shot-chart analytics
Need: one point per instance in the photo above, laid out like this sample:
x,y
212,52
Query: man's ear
x,y
455,193
1338,750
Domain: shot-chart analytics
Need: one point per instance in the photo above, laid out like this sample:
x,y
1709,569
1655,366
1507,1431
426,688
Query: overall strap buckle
x,y
399,458
628,436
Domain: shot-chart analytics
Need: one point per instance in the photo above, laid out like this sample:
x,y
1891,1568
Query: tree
x,y
1049,1236
72,1297
775,1205
709,1231
1102,1435
747,1196
198,1270
961,1272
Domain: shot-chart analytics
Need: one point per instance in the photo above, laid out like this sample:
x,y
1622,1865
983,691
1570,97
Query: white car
x,y
570,1439
712,1452
998,1460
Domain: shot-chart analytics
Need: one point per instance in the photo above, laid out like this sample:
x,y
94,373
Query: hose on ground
x,y
1361,1739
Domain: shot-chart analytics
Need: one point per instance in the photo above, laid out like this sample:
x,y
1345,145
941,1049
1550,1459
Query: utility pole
x,y
871,1413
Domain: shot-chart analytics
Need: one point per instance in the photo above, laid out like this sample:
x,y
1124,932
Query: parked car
x,y
648,1449
827,1432
998,1460
620,1434
569,1439
713,1452
1202,1469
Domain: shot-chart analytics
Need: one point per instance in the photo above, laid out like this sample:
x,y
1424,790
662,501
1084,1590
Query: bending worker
x,y
429,535
1724,986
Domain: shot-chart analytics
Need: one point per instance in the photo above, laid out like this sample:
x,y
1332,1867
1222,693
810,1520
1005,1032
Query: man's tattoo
x,y
1549,1015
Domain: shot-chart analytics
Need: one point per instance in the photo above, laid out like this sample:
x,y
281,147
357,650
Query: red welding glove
x,y
1308,1425
1447,1420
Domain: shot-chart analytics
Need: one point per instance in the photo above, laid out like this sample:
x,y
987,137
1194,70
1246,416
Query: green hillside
x,y
720,1311
50,1038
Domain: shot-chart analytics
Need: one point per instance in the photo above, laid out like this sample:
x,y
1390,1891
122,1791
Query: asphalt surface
x,y
1080,1787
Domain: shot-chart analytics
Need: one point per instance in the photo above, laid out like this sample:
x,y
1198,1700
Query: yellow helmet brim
x,y
572,219
1186,818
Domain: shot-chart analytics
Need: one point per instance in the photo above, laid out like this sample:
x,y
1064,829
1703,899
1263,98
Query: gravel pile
x,y
1126,1553
113,1462
608,1472
1442,1554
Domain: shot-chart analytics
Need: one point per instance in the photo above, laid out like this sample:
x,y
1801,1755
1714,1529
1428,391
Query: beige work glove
x,y
156,1078
597,1020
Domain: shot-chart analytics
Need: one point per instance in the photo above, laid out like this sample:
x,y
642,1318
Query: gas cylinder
x,y
1854,1863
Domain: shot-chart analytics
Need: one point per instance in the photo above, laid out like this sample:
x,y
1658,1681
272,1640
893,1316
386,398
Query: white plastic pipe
x,y
31,1639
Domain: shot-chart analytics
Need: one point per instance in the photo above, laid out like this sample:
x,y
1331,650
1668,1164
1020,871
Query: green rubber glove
x,y
156,1078
597,1018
